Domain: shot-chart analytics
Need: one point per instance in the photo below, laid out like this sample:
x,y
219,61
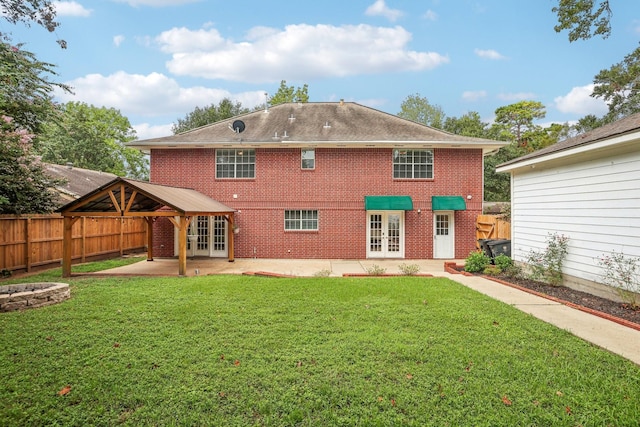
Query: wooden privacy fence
x,y
37,240
492,227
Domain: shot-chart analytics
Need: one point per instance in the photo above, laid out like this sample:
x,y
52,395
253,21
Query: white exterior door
x,y
443,235
207,236
385,234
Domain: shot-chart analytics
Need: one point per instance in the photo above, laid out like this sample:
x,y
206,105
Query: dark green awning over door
x,y
448,203
388,203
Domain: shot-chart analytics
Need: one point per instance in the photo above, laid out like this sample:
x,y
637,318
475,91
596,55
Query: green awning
x,y
388,203
448,203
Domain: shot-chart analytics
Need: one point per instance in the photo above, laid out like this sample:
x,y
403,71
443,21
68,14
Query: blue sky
x,y
156,60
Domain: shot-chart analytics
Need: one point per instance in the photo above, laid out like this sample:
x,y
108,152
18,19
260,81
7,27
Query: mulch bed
x,y
609,309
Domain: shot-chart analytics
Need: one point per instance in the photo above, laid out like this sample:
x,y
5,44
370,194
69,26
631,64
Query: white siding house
x,y
586,188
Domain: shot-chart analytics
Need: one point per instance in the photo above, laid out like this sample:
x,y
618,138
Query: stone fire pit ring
x,y
32,295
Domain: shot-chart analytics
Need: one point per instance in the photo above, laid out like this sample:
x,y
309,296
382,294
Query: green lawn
x,y
240,350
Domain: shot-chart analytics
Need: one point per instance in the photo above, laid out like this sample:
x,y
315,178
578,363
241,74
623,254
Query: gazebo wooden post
x,y
67,245
149,221
182,245
231,235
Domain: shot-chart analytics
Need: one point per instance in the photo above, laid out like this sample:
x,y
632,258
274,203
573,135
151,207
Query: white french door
x,y
207,236
443,235
385,234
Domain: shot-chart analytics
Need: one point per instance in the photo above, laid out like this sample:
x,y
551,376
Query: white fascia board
x,y
586,149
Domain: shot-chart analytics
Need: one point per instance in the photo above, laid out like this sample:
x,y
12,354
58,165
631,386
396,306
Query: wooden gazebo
x,y
130,198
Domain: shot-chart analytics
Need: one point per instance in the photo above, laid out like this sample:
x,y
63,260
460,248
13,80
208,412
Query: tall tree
x,y
468,124
518,119
25,87
40,12
93,138
619,87
583,18
207,115
290,94
418,109
24,186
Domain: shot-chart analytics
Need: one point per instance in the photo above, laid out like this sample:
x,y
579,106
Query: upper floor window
x,y
235,163
301,220
412,164
308,158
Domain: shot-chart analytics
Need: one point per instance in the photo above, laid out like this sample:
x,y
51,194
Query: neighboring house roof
x,y
318,124
122,196
623,130
77,181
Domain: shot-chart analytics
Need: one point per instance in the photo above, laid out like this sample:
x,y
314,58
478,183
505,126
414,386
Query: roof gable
x,y
127,197
320,124
627,125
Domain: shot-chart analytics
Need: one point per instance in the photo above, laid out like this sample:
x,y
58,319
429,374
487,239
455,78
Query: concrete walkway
x,y
619,339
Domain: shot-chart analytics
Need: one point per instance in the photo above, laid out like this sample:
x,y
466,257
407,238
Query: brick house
x,y
325,180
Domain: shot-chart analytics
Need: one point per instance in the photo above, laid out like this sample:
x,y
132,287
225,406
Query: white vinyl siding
x,y
595,203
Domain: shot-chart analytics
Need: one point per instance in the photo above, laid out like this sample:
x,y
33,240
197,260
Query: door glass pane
x,y
375,238
393,233
219,235
442,225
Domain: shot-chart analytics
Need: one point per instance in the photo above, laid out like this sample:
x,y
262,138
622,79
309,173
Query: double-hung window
x,y
231,163
301,220
413,164
308,158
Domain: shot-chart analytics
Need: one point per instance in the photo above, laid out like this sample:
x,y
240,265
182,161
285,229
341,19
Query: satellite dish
x,y
238,126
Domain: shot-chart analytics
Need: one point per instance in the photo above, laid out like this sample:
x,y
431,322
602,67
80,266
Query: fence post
x,y
27,235
83,239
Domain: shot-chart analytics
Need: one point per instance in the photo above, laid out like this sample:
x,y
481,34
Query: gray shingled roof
x,y
319,123
78,181
623,126
149,198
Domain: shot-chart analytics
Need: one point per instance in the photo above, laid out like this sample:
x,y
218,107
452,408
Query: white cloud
x,y
156,3
430,15
117,40
474,95
149,95
146,131
516,96
488,54
579,101
379,8
70,8
297,53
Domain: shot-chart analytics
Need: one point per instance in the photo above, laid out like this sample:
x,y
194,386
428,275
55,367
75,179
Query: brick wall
x,y
336,188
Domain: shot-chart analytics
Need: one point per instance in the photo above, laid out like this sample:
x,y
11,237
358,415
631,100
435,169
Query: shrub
x,y
623,274
546,265
409,269
476,261
376,270
513,271
492,270
322,273
503,262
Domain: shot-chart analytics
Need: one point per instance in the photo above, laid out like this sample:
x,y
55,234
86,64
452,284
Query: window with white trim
x,y
231,163
308,158
413,164
301,220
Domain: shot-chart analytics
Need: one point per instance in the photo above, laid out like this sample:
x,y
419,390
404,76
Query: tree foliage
x,y
40,12
207,115
583,18
290,94
92,138
468,124
619,87
24,186
25,88
418,109
518,119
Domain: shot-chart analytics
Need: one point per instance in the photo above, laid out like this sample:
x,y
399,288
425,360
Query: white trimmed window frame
x,y
301,220
234,163
412,164
308,158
